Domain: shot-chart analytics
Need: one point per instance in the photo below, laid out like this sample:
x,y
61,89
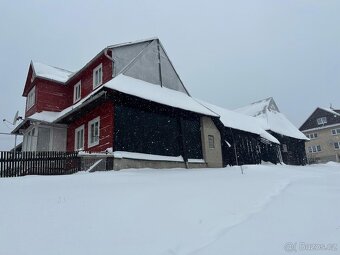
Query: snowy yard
x,y
267,210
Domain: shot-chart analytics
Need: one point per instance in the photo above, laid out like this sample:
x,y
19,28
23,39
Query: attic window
x,y
30,99
322,120
97,76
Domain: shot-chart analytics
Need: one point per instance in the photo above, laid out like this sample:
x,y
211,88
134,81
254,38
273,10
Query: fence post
x,y
109,163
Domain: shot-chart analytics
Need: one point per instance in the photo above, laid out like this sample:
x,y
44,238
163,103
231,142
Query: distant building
x,y
292,141
322,127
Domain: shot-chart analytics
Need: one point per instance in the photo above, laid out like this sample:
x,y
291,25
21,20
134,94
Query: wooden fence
x,y
38,163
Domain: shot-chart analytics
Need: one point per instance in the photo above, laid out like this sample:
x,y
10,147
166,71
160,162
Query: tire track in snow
x,y
257,209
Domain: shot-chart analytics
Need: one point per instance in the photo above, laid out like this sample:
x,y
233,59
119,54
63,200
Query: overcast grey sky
x,y
230,53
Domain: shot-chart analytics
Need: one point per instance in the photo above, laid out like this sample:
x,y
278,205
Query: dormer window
x,y
97,76
77,92
30,99
322,120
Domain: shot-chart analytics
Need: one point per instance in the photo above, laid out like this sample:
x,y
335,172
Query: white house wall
x,y
43,139
59,139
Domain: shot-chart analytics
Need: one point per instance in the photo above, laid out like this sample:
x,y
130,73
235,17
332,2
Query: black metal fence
x,y
14,164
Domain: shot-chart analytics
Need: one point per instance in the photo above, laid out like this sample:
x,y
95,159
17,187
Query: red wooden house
x,y
128,99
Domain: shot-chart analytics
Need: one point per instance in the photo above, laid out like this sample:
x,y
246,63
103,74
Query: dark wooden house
x,y
244,141
292,141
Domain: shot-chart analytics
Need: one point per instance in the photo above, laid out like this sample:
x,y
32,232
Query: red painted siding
x,y
105,111
86,76
31,110
28,83
49,96
53,96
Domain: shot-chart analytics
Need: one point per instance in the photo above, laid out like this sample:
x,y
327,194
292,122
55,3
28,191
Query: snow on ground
x,y
267,210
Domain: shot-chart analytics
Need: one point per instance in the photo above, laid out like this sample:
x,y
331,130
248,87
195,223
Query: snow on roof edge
x,y
51,72
157,94
333,111
239,121
132,42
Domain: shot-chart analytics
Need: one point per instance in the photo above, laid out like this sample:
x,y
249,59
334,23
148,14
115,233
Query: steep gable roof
x,y
146,60
43,71
271,118
333,118
50,72
332,111
232,119
130,86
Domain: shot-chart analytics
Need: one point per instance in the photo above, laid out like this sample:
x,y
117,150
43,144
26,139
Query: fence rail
x,y
14,164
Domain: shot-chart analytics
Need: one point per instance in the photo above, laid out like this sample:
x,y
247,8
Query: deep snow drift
x,y
267,210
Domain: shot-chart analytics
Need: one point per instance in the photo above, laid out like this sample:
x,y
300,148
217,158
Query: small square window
x,y
336,131
211,140
97,76
337,145
322,120
318,147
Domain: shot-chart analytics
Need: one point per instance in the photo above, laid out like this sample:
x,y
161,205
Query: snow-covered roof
x,y
133,42
51,72
267,112
156,93
240,121
330,111
130,86
44,116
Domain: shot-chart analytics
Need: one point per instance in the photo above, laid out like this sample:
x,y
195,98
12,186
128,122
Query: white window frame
x,y
335,146
30,99
76,97
78,129
100,81
96,142
314,149
322,120
312,136
335,131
